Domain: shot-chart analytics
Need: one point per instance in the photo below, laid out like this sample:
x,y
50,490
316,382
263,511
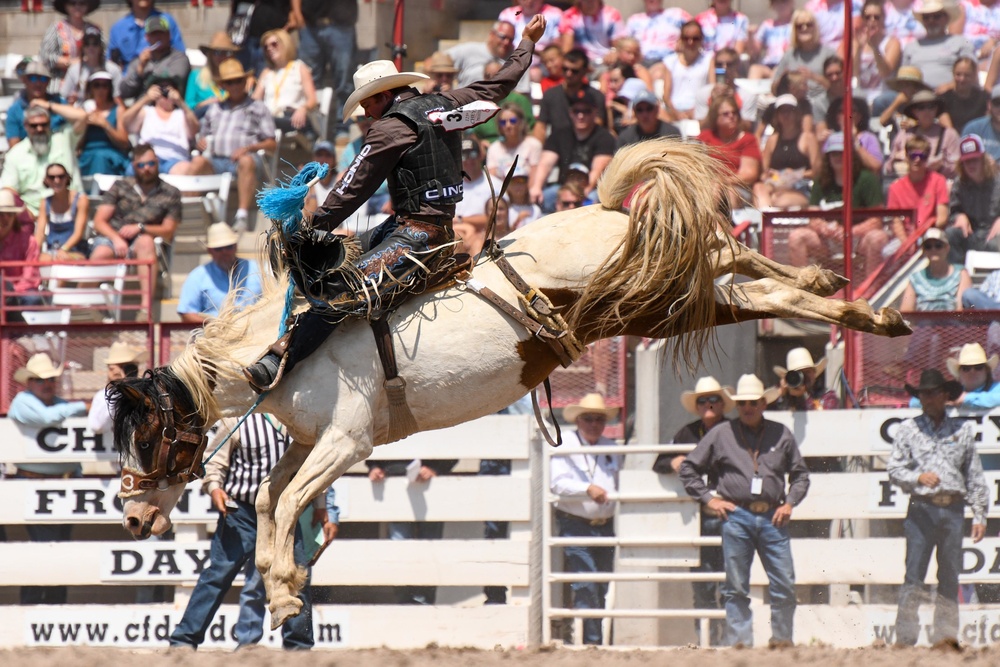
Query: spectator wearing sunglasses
x,y
940,285
807,56
709,402
514,141
24,165
74,85
60,230
921,189
554,110
569,197
924,108
105,146
207,286
937,53
62,43
646,111
35,77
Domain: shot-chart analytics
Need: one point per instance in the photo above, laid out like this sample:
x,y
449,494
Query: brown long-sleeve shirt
x,y
389,138
724,453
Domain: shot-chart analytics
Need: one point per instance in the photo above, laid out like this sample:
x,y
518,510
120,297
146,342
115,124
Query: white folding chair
x,y
980,263
211,191
96,286
46,317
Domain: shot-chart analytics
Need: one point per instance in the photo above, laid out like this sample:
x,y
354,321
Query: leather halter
x,y
135,482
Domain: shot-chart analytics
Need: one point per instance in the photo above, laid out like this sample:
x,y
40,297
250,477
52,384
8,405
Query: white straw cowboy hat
x,y
971,354
922,7
376,77
589,404
221,235
706,386
8,203
39,367
750,388
122,353
799,359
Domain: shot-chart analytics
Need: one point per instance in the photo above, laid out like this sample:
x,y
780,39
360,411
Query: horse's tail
x,y
661,273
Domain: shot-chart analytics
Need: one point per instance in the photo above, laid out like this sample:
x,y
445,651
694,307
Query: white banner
x,y
89,501
70,441
886,498
131,627
977,628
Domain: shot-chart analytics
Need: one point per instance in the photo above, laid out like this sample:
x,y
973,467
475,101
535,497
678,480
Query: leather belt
x,y
589,522
940,499
440,220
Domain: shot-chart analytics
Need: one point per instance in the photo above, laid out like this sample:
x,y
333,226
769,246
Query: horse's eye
x,y
144,445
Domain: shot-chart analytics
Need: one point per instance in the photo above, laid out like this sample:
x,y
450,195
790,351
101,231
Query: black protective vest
x,y
430,171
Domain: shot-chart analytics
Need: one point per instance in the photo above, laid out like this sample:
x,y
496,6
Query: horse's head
x,y
161,439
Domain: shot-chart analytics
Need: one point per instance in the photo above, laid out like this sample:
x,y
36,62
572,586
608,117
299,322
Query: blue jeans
x,y
330,46
926,527
587,595
416,530
708,594
978,299
233,550
743,534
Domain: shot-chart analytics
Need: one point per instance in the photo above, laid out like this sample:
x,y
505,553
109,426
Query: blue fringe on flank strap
x,y
282,204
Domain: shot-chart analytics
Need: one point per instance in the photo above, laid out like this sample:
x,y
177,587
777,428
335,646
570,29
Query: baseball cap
x,y
470,145
834,143
579,166
971,147
582,97
99,75
157,24
324,146
37,68
786,101
645,97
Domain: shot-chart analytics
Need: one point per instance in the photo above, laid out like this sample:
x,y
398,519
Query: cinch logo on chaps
x,y
446,191
349,176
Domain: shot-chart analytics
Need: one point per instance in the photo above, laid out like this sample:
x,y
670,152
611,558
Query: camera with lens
x,y
795,379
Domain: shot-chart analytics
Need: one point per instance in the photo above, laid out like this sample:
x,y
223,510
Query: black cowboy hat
x,y
60,5
931,379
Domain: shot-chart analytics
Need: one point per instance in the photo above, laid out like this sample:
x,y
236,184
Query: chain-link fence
x,y
813,236
883,366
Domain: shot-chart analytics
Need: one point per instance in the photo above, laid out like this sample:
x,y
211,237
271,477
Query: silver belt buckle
x,y
943,499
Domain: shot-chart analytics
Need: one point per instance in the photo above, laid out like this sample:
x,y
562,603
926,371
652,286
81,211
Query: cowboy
x,y
710,402
422,161
584,482
206,288
750,457
122,362
38,407
798,383
934,459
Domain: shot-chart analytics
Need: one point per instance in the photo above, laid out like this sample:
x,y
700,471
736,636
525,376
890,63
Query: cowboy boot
x,y
308,332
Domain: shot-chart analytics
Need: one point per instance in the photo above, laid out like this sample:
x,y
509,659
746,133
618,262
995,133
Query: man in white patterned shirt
x,y
934,459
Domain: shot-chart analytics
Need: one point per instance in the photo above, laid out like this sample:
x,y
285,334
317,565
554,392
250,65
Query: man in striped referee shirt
x,y
232,478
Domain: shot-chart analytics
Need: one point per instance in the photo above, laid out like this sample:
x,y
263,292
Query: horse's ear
x,y
125,394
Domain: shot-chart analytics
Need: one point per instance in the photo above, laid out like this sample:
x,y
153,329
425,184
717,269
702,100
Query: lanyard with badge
x,y
757,483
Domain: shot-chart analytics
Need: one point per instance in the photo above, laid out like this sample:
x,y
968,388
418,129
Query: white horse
x,y
649,272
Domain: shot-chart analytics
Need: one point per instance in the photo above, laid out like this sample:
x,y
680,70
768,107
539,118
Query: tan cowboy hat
x,y
591,403
121,352
39,367
799,359
220,42
221,235
923,97
750,388
441,63
8,202
230,69
706,386
377,77
971,354
907,74
922,7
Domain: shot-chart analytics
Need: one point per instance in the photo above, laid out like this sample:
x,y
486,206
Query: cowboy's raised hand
x,y
535,28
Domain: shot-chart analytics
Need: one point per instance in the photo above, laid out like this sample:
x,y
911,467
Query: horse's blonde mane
x,y
209,353
660,271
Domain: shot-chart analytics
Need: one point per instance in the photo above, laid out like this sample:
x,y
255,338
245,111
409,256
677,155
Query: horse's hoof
x,y
280,615
827,283
890,323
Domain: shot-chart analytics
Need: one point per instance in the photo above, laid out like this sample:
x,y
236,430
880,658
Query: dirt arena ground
x,y
683,657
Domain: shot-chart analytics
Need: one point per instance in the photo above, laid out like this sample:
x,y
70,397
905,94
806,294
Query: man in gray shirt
x,y
751,456
158,60
936,53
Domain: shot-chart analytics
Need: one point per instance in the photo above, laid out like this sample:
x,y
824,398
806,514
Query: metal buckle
x,y
759,506
943,499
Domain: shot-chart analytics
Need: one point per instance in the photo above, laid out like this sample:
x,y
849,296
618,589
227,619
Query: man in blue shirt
x,y
36,79
988,127
38,407
206,287
127,38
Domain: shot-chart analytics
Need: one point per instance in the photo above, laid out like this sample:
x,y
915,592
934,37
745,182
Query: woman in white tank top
x,y
689,69
162,119
286,85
